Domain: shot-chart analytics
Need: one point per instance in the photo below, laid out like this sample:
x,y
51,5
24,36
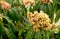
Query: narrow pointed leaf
x,y
46,35
38,35
9,33
29,34
1,27
10,21
57,15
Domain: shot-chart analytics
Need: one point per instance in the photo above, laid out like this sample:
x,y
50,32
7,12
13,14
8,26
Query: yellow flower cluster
x,y
26,2
5,5
45,1
39,20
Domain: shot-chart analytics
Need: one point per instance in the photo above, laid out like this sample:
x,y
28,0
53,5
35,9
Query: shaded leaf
x,y
10,21
50,11
13,14
1,27
44,8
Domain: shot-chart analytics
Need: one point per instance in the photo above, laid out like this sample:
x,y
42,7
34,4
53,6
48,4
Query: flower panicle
x,y
39,20
5,5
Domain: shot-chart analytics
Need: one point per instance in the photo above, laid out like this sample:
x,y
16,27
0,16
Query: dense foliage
x,y
29,19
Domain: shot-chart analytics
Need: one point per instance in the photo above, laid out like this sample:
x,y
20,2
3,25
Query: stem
x,y
54,17
55,7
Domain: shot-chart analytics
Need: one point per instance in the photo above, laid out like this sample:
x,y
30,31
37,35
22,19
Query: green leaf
x,y
17,3
36,6
57,36
46,35
44,8
56,1
50,11
30,34
9,33
57,15
20,32
38,35
13,14
12,26
1,27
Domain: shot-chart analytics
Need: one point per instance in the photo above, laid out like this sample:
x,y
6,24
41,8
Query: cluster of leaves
x,y
15,24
